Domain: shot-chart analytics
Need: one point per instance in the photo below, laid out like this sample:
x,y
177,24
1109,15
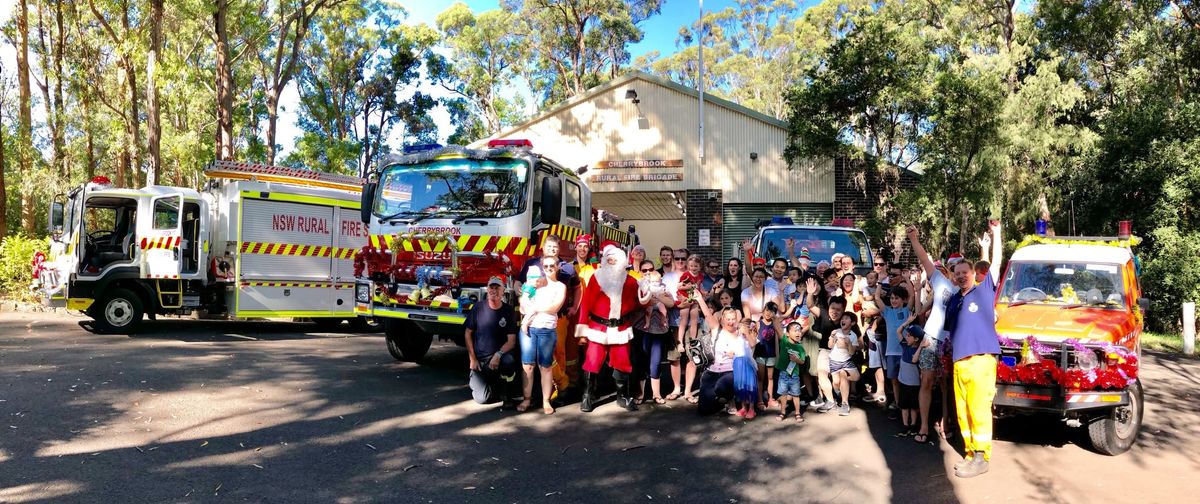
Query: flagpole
x,y
700,80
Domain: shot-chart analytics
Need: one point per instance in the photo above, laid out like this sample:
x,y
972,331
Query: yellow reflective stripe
x,y
79,303
295,313
301,198
388,313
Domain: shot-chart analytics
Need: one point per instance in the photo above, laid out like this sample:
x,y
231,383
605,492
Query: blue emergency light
x,y
412,149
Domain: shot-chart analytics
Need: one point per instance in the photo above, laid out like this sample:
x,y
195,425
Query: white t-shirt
x,y
837,353
542,320
942,290
725,344
753,305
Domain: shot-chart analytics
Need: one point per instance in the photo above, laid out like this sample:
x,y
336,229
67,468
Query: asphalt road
x,y
193,411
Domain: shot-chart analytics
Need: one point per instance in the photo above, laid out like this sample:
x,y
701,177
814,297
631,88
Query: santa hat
x,y
585,239
804,254
609,243
954,258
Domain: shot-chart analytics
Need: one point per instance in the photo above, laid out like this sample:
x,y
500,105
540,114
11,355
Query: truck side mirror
x,y
551,200
367,198
56,217
1144,304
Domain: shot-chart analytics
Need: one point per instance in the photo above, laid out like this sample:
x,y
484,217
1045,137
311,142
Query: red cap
x,y
758,261
584,238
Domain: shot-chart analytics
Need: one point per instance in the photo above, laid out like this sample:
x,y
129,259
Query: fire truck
x,y
257,241
444,220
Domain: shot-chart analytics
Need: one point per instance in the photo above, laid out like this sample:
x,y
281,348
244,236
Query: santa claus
x,y
605,318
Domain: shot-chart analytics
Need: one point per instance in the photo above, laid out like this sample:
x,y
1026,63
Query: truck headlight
x,y
362,293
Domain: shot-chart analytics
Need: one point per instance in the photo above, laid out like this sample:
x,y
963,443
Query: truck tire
x,y
119,312
405,341
366,325
1114,433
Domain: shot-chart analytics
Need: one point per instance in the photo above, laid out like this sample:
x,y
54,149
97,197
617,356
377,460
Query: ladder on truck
x,y
237,170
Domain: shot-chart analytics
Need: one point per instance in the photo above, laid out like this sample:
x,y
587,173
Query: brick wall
x,y
856,195
704,209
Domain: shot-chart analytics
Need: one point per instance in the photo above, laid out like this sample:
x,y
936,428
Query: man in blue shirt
x,y
971,322
491,338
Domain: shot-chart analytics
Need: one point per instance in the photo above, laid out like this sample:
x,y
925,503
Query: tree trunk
x,y
60,118
25,117
89,155
272,121
132,131
224,145
3,168
153,129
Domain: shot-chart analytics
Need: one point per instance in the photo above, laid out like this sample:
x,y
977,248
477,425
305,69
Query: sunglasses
x,y
647,270
714,266
680,258
881,264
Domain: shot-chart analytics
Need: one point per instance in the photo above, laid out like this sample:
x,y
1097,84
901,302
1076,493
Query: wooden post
x,y
1189,328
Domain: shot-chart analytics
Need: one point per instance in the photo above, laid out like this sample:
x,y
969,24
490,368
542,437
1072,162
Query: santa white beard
x,y
612,281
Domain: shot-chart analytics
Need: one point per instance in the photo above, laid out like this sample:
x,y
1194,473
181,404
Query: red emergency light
x,y
843,222
521,142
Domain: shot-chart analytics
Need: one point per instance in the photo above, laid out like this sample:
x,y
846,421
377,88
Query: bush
x,y
16,266
1171,276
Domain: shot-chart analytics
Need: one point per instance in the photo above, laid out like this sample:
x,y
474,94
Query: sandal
x,y
799,418
921,439
523,407
659,400
673,396
904,433
692,399
782,417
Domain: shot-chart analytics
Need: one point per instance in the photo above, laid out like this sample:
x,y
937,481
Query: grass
x,y
1163,342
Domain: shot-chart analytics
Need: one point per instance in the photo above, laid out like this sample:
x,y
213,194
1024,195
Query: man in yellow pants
x,y
971,322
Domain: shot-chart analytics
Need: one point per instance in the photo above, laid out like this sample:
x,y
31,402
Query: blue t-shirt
x,y
971,321
942,290
894,318
909,373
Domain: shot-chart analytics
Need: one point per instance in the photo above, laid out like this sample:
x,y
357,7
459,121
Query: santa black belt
x,y
607,322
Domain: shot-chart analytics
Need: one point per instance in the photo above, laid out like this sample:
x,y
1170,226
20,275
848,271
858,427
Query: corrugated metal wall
x,y
664,126
740,219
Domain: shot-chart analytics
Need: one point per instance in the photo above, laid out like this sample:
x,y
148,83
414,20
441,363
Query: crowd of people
x,y
777,338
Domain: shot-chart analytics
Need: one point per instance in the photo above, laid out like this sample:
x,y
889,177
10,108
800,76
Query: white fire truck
x,y
443,220
257,242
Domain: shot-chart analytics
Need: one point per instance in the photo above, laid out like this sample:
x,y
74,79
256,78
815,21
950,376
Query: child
x,y
766,351
651,286
868,290
910,379
794,296
745,375
689,317
875,363
791,366
842,345
894,317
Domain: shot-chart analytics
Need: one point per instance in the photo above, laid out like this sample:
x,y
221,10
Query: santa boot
x,y
589,393
624,391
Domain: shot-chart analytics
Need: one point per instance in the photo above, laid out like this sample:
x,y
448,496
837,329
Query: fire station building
x,y
639,137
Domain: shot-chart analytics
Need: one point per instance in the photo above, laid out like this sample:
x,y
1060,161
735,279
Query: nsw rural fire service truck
x,y
443,220
257,242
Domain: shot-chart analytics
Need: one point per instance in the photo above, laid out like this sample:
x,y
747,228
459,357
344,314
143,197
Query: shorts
x,y
673,319
874,360
674,351
908,396
537,346
891,366
928,360
811,348
788,385
835,366
765,361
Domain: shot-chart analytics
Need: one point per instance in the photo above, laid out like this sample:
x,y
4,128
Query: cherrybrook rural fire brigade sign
x,y
640,163
637,177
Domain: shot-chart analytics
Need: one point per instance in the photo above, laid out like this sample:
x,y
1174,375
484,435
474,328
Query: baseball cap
x,y
916,331
496,280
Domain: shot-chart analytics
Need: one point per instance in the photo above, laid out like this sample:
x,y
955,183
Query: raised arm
x,y
997,250
914,237
709,318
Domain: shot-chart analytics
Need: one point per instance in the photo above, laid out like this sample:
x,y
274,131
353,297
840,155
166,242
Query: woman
x,y
757,295
540,333
651,330
637,254
733,280
847,288
717,381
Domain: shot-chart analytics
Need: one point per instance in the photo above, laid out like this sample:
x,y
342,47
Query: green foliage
x,y
16,265
488,53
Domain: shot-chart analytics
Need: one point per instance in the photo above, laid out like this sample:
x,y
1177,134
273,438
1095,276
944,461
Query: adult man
x,y
826,322
664,259
778,269
605,320
712,275
942,289
491,337
971,319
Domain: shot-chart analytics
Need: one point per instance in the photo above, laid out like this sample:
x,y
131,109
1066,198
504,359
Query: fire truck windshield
x,y
452,187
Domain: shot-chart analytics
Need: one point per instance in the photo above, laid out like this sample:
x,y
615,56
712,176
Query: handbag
x,y
700,351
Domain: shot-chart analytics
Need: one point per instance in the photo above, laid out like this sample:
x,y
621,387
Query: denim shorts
x,y
788,385
537,346
891,366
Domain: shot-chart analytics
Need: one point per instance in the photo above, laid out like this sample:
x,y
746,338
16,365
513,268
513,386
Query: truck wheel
x,y
1114,434
405,341
366,325
118,312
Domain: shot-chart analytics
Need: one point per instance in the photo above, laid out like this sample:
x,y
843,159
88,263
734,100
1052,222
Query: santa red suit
x,y
605,318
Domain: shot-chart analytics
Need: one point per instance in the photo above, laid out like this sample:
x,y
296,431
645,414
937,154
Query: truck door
x,y
160,237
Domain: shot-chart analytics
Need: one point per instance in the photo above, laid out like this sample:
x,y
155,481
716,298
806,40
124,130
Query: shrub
x,y
1171,276
16,268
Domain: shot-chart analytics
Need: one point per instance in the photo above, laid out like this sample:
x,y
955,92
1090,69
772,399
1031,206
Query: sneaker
x,y
963,463
978,466
817,403
826,407
844,410
892,406
804,403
